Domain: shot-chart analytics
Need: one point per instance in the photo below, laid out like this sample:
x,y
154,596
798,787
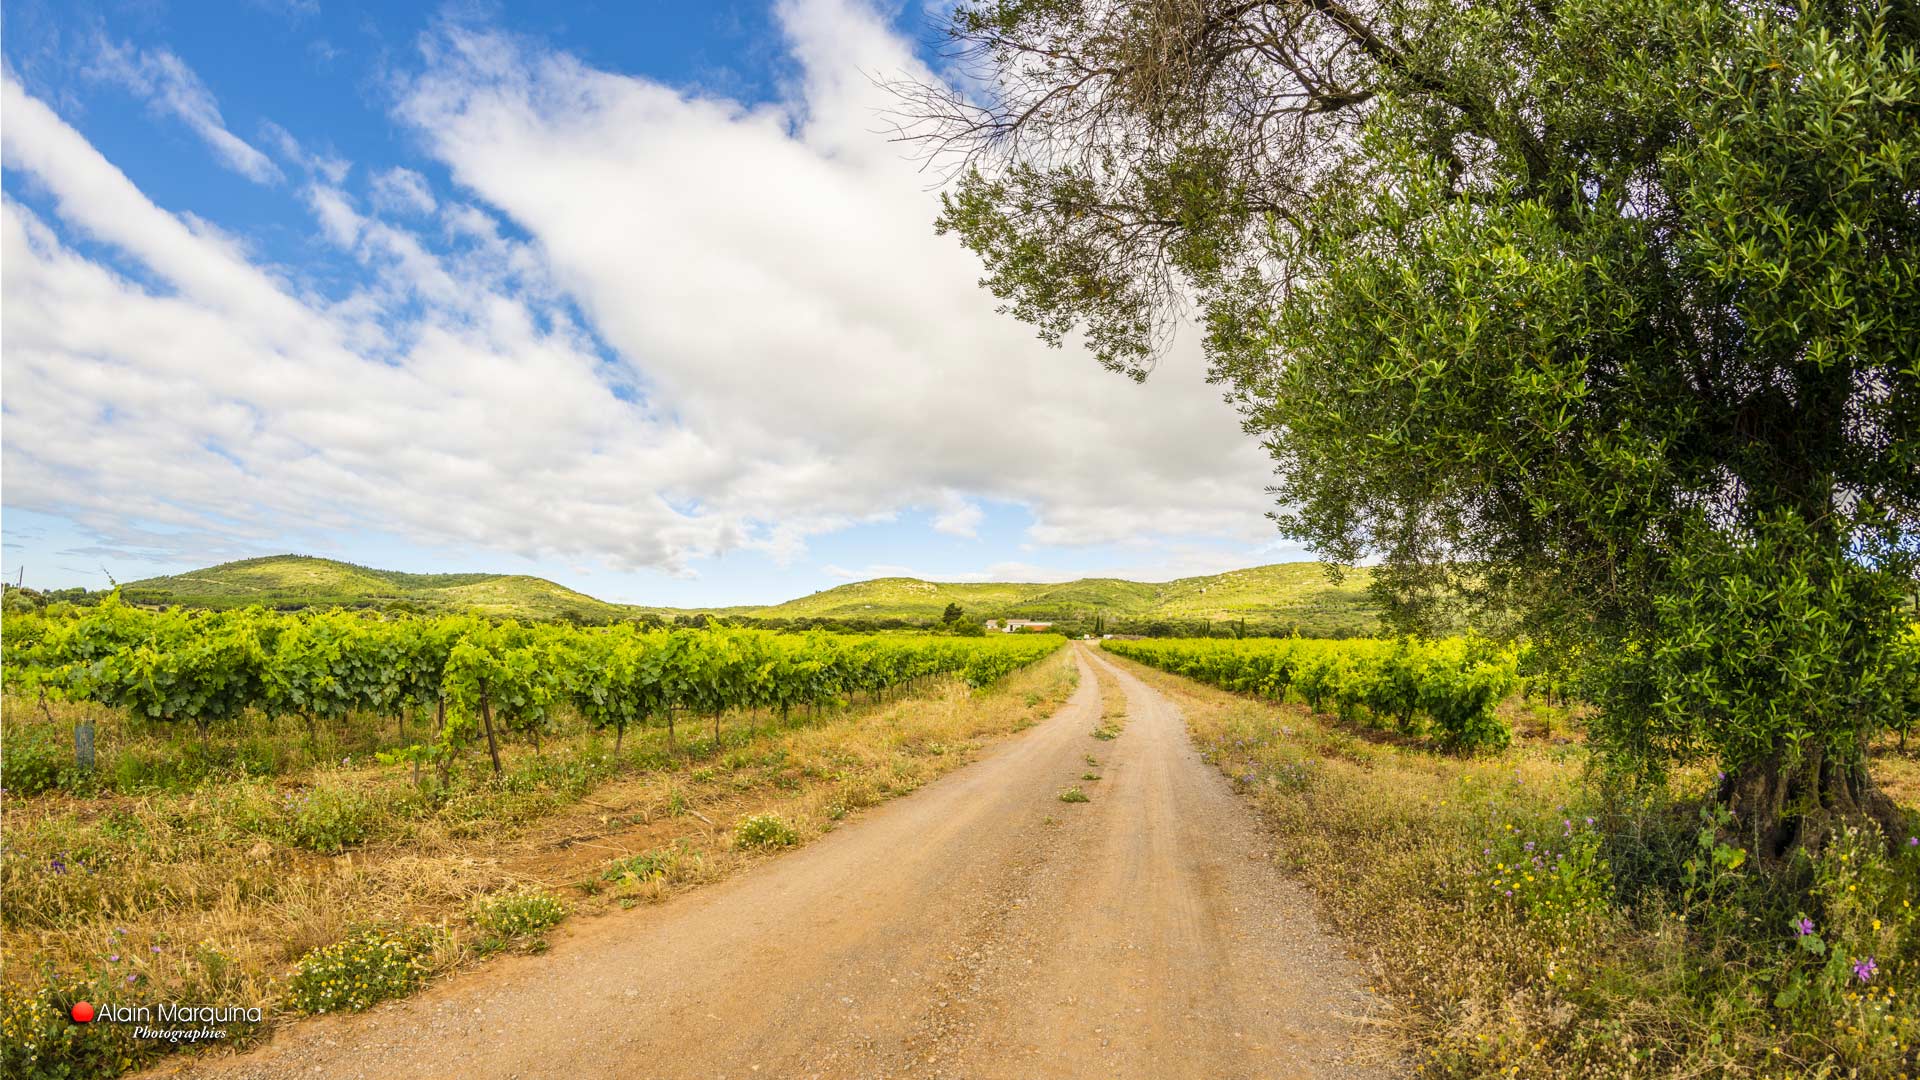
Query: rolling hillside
x,y
1284,592
289,581
1288,593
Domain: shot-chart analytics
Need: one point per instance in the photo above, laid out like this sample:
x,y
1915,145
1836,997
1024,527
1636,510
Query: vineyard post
x,y
439,730
486,718
82,734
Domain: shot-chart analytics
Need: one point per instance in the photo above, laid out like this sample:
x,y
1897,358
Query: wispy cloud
x,y
401,191
172,88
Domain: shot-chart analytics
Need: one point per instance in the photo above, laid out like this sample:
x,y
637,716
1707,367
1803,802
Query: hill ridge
x,y
1297,592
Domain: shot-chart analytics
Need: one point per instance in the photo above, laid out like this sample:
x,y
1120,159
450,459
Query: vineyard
x,y
1447,688
309,812
471,681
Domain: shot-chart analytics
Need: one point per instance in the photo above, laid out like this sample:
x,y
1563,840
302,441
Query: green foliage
x,y
514,916
31,760
764,831
362,970
1601,312
1074,795
329,818
476,674
1449,688
1557,877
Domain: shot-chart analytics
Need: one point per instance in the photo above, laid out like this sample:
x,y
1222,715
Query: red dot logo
x,y
82,1013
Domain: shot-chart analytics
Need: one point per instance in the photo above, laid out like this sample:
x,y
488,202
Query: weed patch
x,y
764,831
363,970
521,915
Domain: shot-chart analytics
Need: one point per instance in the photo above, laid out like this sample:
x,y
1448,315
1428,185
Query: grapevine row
x,y
475,676
1453,685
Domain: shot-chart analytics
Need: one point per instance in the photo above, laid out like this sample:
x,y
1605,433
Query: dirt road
x,y
977,928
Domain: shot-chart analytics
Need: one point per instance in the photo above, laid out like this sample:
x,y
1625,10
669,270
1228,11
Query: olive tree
x,y
1601,312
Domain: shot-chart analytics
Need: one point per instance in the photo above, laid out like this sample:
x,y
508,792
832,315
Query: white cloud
x,y
170,86
774,271
958,517
330,167
223,406
398,191
775,344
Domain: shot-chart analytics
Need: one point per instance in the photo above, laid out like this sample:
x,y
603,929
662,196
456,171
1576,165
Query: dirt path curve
x,y
977,928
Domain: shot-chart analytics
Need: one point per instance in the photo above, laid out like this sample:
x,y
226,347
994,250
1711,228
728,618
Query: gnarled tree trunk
x,y
1782,806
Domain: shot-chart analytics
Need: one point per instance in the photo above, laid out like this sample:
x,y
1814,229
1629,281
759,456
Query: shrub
x,y
328,819
506,917
362,970
764,831
1074,794
31,761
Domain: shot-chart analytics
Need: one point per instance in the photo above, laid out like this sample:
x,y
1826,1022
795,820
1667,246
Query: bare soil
x,y
979,927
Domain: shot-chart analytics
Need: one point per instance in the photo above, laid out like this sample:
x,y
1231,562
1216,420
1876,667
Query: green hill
x,y
1286,593
291,581
1296,593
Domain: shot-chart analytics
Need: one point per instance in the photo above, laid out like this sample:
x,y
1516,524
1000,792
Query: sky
x,y
637,296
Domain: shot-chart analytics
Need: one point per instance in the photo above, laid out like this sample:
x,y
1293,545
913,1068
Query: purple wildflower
x,y
114,959
1803,927
1864,970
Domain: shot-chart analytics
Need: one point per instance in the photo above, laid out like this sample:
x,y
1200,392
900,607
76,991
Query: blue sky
x,y
636,296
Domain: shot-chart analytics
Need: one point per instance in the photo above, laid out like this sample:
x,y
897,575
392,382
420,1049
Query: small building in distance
x,y
1014,626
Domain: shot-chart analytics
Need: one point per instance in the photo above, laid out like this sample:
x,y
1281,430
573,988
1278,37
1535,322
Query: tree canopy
x,y
1604,312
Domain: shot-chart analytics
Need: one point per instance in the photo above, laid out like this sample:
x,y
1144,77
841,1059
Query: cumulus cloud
x,y
958,517
711,326
776,268
171,87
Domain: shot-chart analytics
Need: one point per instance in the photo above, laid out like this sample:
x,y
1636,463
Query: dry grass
x,y
1113,705
1897,770
202,896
